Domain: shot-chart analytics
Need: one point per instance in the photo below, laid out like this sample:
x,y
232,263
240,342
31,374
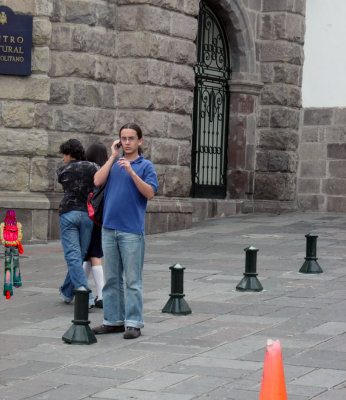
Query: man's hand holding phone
x,y
115,147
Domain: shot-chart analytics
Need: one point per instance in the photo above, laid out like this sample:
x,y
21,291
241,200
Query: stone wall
x,y
97,64
25,151
322,153
155,78
266,39
280,50
100,63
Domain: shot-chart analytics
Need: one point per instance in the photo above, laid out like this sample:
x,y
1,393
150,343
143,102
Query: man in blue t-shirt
x,y
130,182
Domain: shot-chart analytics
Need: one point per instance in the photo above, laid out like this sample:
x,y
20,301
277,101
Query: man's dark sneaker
x,y
132,333
102,329
98,303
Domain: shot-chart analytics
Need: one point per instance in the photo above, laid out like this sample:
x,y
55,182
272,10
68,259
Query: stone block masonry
x,y
100,63
322,165
281,31
96,65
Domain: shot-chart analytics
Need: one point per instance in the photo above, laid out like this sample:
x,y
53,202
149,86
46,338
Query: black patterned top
x,y
77,179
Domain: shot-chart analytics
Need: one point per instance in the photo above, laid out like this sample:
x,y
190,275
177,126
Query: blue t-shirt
x,y
124,205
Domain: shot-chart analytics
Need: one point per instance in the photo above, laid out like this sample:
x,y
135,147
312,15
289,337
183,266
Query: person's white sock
x,y
87,268
97,272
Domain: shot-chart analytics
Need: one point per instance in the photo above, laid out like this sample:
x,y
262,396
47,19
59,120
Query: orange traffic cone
x,y
273,383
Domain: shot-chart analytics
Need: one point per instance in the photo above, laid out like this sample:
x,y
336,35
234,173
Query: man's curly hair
x,y
74,148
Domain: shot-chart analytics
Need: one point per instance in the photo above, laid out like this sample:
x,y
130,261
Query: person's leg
x,y
70,224
8,273
85,232
87,268
97,271
17,281
113,290
132,254
67,287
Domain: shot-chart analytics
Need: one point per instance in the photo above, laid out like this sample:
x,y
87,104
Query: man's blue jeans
x,y
123,256
75,233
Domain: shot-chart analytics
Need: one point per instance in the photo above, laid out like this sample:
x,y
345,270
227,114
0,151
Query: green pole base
x,y
79,334
177,306
311,267
249,284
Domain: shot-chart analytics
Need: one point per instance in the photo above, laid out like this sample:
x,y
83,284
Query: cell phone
x,y
118,145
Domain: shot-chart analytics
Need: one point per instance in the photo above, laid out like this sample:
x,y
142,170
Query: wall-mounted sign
x,y
15,42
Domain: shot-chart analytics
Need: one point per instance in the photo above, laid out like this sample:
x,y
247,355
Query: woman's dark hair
x,y
74,148
97,153
136,128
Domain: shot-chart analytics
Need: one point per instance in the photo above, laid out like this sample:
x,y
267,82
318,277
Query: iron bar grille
x,y
210,113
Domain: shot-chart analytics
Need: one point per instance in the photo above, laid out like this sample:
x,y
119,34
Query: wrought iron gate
x,y
211,103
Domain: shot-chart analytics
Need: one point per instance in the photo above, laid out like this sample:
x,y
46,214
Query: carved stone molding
x,y
246,87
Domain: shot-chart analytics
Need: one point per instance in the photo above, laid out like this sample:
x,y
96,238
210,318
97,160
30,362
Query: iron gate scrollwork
x,y
211,103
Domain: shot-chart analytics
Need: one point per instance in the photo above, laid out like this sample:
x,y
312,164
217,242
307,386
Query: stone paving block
x,y
190,345
257,320
154,361
29,369
58,380
252,381
259,355
66,392
21,390
338,343
118,375
221,363
56,334
114,357
162,346
293,372
237,348
210,307
306,391
10,364
333,394
320,358
329,328
155,381
221,372
325,378
118,394
226,393
335,311
198,385
10,345
301,341
56,352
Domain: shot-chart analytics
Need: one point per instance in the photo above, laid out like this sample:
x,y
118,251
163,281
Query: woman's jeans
x,y
75,233
123,256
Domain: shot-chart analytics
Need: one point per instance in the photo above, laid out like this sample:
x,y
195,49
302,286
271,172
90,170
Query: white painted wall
x,y
324,71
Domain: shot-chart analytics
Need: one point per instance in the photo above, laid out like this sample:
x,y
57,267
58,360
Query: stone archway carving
x,y
240,36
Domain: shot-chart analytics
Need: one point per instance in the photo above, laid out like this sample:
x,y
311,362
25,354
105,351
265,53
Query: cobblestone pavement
x,y
217,352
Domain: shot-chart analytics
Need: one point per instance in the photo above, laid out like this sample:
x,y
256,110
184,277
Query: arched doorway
x,y
211,108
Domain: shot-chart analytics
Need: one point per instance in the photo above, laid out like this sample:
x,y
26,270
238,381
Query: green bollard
x,y
311,265
176,304
250,283
80,332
